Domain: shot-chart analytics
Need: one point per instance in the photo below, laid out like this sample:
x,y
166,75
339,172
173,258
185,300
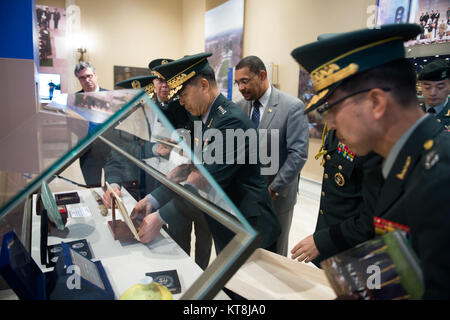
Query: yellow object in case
x,y
147,289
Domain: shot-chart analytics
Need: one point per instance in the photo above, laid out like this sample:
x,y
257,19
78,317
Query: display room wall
x,y
133,32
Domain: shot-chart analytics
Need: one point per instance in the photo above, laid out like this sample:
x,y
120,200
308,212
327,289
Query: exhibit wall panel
x,y
193,28
130,33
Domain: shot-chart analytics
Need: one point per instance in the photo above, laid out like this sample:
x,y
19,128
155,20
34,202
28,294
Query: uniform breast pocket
x,y
341,174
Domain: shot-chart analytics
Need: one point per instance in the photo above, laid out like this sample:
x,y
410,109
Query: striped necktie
x,y
256,113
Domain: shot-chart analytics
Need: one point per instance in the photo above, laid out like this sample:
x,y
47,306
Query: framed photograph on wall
x,y
224,27
433,16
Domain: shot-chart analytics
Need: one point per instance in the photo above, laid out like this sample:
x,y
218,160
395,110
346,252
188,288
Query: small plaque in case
x,y
81,246
168,278
67,198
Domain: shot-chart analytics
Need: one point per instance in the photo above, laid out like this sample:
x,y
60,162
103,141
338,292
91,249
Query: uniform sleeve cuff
x,y
153,202
160,218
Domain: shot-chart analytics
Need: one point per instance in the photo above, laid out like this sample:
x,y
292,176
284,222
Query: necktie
x,y
431,110
256,113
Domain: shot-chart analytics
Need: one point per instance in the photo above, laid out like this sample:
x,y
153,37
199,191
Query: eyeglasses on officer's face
x,y
243,81
86,77
327,106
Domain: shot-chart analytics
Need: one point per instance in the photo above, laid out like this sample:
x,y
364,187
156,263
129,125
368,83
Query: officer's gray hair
x,y
81,66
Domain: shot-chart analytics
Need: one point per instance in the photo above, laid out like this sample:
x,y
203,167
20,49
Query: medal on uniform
x,y
339,179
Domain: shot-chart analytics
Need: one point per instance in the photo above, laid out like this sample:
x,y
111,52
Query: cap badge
x,y
136,84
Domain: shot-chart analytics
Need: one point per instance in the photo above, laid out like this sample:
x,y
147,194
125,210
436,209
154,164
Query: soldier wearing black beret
x,y
435,83
366,92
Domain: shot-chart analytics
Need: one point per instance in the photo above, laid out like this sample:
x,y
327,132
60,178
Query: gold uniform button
x,y
438,120
328,157
339,167
321,211
323,194
325,176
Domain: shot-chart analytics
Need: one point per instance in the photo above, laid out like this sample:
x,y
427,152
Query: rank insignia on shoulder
x,y
401,175
344,151
431,159
339,179
222,110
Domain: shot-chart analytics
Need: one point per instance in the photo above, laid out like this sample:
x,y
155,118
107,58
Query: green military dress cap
x,y
144,82
178,72
435,71
336,57
157,62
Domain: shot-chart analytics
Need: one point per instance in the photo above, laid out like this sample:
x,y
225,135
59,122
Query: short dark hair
x,y
398,75
83,65
253,63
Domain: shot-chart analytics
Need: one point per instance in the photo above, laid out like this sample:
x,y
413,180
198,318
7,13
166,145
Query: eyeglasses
x,y
326,106
244,81
84,78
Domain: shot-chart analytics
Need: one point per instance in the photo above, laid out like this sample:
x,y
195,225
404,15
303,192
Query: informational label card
x,y
76,211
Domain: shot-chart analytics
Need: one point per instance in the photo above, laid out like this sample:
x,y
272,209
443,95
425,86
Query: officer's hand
x,y
149,228
107,197
141,210
196,179
180,173
305,250
273,194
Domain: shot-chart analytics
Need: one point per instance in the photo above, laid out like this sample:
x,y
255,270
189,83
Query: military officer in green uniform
x,y
120,172
176,114
366,90
343,220
435,83
193,80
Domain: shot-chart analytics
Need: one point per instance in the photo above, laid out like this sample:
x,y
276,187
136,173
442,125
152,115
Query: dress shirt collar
x,y
439,107
205,117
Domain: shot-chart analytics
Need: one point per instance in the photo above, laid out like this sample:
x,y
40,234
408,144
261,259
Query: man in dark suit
x,y
366,90
274,111
93,160
435,83
194,80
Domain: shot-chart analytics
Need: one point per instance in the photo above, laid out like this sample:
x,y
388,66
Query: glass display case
x,y
143,154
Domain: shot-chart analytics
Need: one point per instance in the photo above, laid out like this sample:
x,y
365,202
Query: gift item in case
x,y
67,198
168,279
81,246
